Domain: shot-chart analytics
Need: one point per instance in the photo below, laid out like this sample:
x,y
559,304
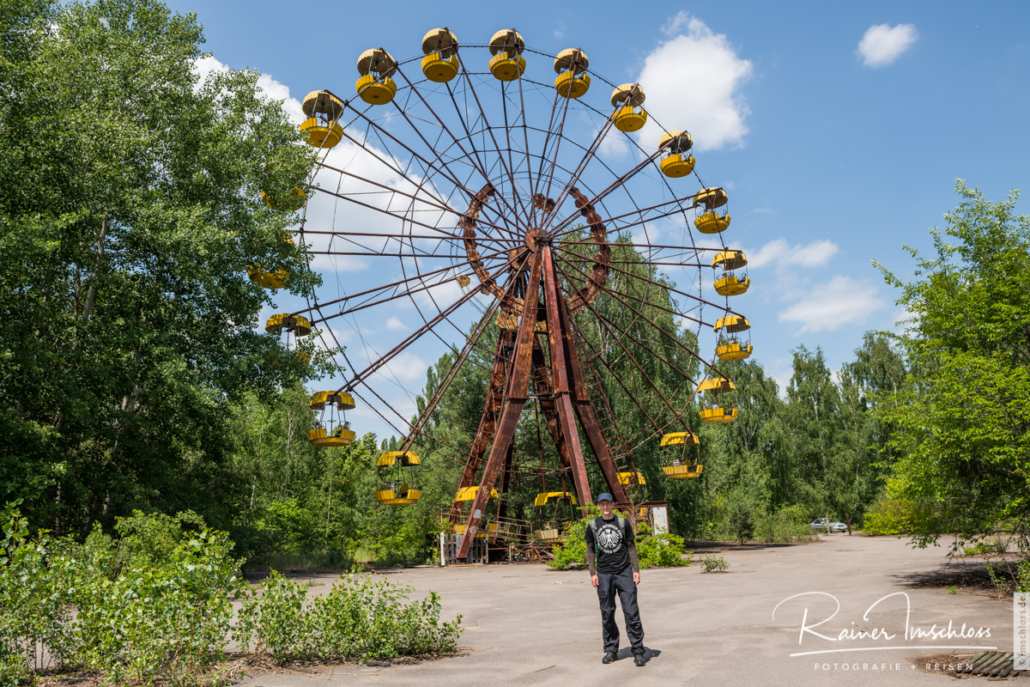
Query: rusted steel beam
x,y
560,377
517,393
488,423
587,417
545,397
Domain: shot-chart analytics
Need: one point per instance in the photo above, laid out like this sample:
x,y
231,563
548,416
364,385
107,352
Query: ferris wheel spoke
x,y
617,377
636,364
674,290
374,407
651,322
399,282
617,228
415,336
475,96
611,187
442,124
445,173
392,167
525,137
443,206
577,173
471,342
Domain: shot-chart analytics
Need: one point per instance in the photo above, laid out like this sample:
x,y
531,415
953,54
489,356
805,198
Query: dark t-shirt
x,y
611,544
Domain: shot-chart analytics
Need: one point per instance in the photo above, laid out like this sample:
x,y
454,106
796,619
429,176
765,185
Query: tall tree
x,y
961,430
130,209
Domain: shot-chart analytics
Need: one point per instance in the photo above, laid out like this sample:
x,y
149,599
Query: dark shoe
x,y
609,656
639,661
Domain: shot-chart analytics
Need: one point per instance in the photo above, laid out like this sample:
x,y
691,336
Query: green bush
x,y
358,619
574,549
789,524
663,550
660,550
153,603
710,564
889,516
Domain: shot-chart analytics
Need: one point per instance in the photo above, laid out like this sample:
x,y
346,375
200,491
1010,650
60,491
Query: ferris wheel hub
x,y
537,237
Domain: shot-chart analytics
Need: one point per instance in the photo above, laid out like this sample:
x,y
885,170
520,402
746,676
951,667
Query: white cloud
x,y
843,301
395,324
404,367
782,255
692,82
882,43
613,146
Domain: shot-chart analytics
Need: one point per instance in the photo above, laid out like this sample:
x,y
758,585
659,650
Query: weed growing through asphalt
x,y
710,564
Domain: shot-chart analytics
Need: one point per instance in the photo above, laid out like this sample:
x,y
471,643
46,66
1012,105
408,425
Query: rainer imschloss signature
x,y
883,637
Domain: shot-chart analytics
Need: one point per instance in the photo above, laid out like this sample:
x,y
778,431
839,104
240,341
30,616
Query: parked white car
x,y
820,525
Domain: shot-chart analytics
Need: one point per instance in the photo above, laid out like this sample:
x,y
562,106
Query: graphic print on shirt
x,y
609,537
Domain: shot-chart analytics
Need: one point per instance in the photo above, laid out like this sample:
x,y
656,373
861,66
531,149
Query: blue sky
x,y
838,129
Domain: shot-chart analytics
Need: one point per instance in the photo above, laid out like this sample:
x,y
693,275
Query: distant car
x,y
819,524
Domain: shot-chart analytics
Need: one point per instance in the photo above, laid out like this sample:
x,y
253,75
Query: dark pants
x,y
607,584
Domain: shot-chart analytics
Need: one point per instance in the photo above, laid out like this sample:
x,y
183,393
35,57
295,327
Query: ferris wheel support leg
x,y
488,424
559,369
518,392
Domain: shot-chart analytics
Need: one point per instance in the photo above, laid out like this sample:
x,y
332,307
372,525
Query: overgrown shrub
x,y
789,524
154,602
359,618
710,564
662,550
889,516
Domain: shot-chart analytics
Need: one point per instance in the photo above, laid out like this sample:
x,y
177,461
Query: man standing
x,y
611,543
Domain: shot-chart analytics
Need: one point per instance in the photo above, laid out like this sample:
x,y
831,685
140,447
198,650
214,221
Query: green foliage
x,y
153,603
961,433
890,516
713,564
574,550
788,524
126,233
660,550
359,619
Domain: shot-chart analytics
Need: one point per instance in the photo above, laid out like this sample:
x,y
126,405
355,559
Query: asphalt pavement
x,y
847,610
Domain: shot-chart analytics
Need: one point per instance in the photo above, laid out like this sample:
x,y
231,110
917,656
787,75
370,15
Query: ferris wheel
x,y
523,194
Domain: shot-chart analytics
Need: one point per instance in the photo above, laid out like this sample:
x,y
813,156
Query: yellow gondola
x,y
322,109
295,327
398,467
440,63
718,410
571,66
293,201
678,465
731,347
269,280
628,99
375,86
731,283
709,221
469,494
331,427
678,163
543,497
507,63
631,478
